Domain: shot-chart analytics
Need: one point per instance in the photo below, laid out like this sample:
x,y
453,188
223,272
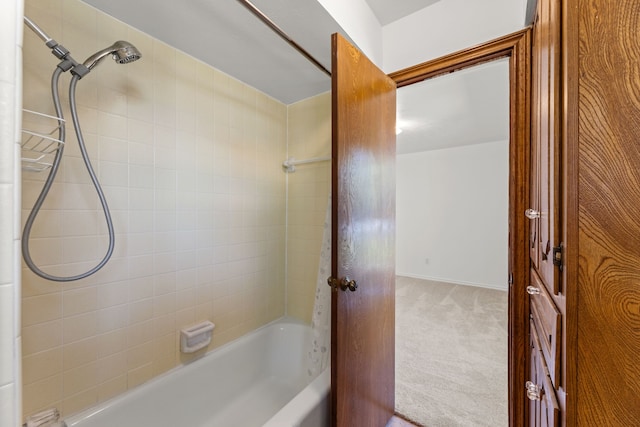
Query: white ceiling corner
x,y
228,37
223,34
389,11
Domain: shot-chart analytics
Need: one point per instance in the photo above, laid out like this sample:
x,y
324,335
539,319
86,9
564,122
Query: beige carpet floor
x,y
451,354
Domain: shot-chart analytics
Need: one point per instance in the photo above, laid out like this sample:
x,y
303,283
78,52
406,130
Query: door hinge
x,y
557,256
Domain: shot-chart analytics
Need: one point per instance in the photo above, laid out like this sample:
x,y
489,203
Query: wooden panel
x,y
608,309
535,365
570,156
549,408
548,321
534,191
546,411
550,148
363,239
545,194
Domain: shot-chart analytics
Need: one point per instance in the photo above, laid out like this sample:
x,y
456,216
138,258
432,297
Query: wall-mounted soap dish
x,y
196,337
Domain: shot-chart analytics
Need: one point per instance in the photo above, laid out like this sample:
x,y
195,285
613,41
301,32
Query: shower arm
x,y
66,61
39,32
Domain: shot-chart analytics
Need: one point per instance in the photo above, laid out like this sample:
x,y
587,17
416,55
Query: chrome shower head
x,y
123,52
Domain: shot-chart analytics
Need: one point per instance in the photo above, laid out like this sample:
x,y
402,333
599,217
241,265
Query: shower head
x,y
123,52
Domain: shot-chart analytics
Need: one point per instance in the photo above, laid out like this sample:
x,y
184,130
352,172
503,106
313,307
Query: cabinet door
x,y
535,415
544,410
547,320
545,155
534,196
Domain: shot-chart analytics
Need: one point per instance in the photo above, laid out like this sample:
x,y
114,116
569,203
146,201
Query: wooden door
x,y
363,240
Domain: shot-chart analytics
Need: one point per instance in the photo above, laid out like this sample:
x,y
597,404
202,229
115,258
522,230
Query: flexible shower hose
x,y
49,181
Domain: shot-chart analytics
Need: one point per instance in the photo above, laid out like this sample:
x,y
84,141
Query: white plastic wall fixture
x,y
196,337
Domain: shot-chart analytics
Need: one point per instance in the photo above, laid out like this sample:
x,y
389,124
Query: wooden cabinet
x,y
584,198
545,338
546,249
546,302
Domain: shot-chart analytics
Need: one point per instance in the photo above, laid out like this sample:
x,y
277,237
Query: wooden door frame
x,y
516,47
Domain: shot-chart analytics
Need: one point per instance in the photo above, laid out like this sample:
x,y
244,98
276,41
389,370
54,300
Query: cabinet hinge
x,y
558,256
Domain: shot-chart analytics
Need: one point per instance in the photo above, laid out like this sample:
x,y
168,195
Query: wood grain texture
x,y
536,111
535,366
546,190
544,412
608,308
363,239
546,142
516,47
519,181
547,319
493,49
570,235
547,124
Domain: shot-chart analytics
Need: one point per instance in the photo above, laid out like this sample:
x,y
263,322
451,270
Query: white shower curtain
x,y
319,352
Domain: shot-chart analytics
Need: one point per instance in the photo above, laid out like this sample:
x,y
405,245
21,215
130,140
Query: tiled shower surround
x,y
308,190
190,162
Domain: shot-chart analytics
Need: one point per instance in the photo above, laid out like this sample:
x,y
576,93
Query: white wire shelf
x,y
39,140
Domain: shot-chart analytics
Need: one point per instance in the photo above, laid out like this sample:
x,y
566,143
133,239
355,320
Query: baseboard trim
x,y
455,282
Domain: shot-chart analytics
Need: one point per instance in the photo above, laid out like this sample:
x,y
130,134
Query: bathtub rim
x,y
298,408
75,418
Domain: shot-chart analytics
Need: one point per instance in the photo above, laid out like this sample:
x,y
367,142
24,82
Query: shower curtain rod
x,y
289,165
269,23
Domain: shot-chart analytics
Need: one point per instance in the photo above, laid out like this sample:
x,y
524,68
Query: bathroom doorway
x,y
451,257
445,255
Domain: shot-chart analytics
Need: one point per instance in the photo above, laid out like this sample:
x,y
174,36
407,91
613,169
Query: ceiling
x,y
467,107
225,35
389,11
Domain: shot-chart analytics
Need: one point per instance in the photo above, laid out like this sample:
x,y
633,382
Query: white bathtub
x,y
257,380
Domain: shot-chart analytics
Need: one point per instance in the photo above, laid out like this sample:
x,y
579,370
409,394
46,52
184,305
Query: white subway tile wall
x,y
10,103
189,159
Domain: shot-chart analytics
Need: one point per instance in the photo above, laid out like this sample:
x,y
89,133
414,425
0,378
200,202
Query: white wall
x,y
446,27
359,21
452,213
10,101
